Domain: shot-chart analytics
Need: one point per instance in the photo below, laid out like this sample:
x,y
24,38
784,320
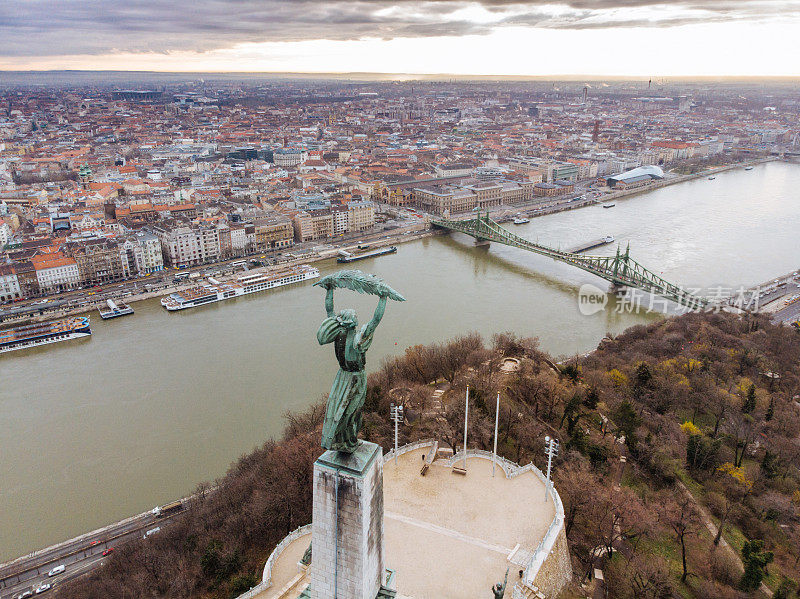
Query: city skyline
x,y
639,38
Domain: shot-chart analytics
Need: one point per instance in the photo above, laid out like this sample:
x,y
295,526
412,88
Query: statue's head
x,y
498,587
347,318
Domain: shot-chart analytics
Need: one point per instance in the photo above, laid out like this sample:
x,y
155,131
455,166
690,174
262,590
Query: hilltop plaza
x,y
450,535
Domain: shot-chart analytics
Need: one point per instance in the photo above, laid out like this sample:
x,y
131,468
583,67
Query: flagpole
x,y
496,419
466,415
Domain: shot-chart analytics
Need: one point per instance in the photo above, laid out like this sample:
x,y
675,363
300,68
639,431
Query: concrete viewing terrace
x,y
447,535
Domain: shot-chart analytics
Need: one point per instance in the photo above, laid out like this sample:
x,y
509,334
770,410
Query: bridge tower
x,y
481,241
620,269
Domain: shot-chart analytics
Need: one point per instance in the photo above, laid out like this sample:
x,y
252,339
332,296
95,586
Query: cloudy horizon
x,y
490,37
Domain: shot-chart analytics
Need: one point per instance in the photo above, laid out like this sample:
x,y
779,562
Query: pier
x,y
590,245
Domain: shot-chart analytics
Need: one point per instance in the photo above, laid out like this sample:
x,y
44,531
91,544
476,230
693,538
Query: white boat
x,y
711,178
214,291
609,205
114,310
521,220
608,239
748,168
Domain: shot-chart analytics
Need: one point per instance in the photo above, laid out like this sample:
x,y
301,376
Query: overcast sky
x,y
593,37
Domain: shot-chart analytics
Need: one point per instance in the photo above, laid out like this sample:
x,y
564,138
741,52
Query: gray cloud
x,y
60,27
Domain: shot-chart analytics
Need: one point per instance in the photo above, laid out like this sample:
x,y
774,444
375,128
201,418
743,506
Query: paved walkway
x,y
712,528
449,533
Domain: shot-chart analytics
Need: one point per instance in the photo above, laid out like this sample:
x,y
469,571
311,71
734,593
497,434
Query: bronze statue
x,y
500,588
346,399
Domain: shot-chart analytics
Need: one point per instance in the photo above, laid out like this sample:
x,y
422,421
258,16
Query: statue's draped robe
x,y
343,410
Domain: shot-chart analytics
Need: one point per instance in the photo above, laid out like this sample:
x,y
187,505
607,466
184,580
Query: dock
x,y
590,245
346,257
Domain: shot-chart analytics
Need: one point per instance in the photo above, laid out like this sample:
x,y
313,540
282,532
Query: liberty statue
x,y
350,344
499,590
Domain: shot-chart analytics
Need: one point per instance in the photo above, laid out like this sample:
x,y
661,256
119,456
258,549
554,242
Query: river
x,y
98,429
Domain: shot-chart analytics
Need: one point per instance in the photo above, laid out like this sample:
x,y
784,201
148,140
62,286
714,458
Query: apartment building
x,y
99,261
9,284
56,272
188,245
289,156
360,215
312,225
273,232
142,253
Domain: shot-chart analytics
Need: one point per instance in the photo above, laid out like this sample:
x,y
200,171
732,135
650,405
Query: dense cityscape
x,y
420,299
101,185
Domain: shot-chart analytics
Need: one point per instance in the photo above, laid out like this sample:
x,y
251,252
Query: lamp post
x,y
396,413
550,450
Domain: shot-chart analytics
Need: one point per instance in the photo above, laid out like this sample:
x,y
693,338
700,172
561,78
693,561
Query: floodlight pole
x,y
397,414
551,449
466,416
496,419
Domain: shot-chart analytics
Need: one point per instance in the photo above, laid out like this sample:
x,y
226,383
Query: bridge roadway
x,y
620,270
79,555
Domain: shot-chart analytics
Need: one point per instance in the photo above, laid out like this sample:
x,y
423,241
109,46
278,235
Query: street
x,y
79,555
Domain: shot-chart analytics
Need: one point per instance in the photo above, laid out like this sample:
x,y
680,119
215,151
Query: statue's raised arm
x,y
346,398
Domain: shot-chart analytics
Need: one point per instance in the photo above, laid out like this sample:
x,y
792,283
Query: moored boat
x,y
609,205
347,257
114,310
42,333
214,291
521,220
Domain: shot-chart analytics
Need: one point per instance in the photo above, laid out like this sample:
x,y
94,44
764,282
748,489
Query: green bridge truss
x,y
621,270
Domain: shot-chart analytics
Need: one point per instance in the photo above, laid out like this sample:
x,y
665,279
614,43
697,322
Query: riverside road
x,y
78,555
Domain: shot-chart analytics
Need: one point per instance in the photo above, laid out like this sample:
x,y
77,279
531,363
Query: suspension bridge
x,y
620,270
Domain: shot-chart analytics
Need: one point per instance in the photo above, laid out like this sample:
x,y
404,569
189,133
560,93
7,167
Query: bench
x,y
459,470
431,455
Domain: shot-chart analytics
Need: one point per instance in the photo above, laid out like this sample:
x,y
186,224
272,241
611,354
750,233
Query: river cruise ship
x,y
214,291
42,333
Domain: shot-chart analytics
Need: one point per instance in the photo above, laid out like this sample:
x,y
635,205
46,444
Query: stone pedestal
x,y
347,527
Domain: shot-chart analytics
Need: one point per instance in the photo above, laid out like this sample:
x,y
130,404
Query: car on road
x,y
57,570
45,586
39,302
25,594
108,551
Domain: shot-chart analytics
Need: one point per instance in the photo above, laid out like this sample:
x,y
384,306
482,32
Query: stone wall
x,y
556,571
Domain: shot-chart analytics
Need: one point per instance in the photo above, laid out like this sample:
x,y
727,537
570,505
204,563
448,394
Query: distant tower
x,y
585,93
596,131
85,176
